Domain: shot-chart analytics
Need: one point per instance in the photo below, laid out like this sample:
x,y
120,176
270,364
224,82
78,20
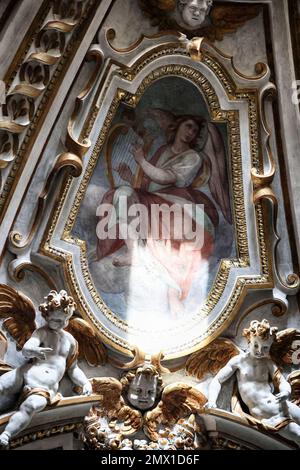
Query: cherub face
x,y
142,391
260,348
57,320
194,12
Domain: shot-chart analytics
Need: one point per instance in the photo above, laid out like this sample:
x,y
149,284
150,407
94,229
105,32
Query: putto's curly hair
x,y
148,370
261,329
182,3
58,301
202,134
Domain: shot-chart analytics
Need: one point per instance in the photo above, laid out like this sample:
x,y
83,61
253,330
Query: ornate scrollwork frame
x,y
232,98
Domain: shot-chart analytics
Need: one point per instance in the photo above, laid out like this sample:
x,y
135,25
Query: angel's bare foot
x,y
4,439
123,260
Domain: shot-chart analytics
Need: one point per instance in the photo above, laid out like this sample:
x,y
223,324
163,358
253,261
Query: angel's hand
x,y
87,389
138,153
125,172
282,396
40,353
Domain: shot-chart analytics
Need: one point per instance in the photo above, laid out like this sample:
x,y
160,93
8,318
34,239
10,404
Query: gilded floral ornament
x,y
111,421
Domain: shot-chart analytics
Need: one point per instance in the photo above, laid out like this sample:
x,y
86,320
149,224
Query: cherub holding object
x,y
51,352
261,386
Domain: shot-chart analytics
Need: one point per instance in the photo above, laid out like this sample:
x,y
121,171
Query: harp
x,y
117,150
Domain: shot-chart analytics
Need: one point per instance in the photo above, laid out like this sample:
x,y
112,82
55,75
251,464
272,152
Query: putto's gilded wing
x,y
157,10
286,348
226,19
294,380
19,314
3,345
107,386
183,396
90,344
211,359
3,348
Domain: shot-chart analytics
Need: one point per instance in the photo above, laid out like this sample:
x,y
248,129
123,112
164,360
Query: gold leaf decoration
x,y
90,344
211,359
19,314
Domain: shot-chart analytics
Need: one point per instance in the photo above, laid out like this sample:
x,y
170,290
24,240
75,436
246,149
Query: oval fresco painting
x,y
156,216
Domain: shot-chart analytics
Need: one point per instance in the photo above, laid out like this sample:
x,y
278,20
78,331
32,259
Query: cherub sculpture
x,y
261,386
51,352
143,386
111,421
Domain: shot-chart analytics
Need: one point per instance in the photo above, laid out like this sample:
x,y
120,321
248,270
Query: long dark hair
x,y
201,137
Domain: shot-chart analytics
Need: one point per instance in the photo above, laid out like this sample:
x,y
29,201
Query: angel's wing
x,y
155,8
19,314
183,398
90,344
179,400
107,386
211,359
214,154
294,380
183,395
286,348
226,19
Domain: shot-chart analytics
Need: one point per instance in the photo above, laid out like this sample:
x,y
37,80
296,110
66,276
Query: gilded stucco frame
x,y
219,82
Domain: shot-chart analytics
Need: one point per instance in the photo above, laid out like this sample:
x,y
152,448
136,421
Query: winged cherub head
x,y
193,12
143,386
58,309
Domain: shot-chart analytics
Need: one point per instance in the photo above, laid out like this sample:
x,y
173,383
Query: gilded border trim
x,y
242,285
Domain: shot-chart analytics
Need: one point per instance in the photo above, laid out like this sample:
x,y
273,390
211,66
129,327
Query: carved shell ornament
x,y
206,18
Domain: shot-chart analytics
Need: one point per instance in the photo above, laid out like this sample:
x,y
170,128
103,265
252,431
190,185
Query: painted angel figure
x,y
192,156
51,351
